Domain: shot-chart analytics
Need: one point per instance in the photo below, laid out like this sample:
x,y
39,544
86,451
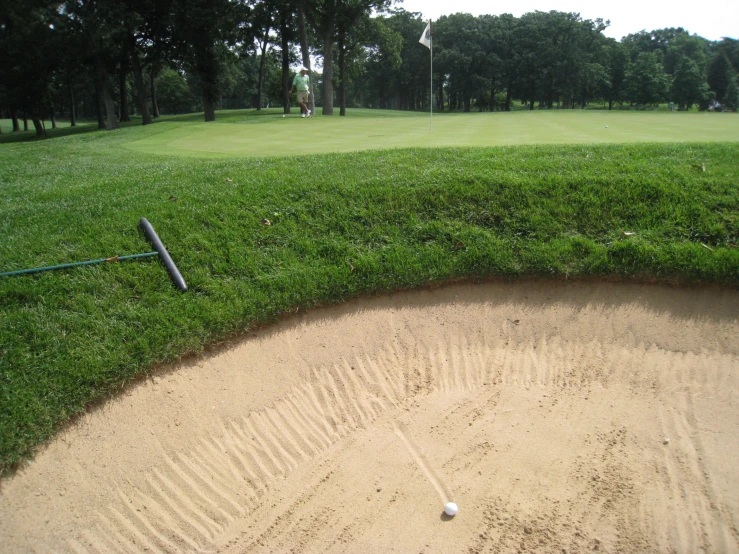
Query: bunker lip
x,y
555,415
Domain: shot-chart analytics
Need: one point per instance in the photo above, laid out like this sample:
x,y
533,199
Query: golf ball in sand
x,y
450,509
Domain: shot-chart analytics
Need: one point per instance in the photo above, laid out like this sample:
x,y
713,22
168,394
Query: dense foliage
x,y
107,60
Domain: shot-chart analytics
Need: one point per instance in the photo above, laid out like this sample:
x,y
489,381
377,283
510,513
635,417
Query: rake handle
x,y
75,264
153,238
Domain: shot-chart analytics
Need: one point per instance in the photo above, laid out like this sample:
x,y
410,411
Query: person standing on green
x,y
301,82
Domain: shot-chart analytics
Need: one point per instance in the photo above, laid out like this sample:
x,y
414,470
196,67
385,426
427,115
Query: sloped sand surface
x,y
559,417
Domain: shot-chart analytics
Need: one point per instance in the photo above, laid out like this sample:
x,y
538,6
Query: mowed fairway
x,y
271,134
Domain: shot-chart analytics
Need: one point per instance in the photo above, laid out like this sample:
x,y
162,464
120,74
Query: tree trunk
x,y
102,79
154,103
16,125
260,83
53,119
208,103
40,130
208,68
72,118
138,80
328,67
25,121
99,106
285,65
342,73
123,106
305,52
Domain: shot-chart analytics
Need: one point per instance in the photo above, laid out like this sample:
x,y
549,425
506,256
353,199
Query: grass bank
x,y
340,225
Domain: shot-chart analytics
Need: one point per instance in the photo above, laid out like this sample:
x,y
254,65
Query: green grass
x,y
341,225
375,129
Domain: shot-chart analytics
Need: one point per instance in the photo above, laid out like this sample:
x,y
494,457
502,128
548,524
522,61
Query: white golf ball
x,y
606,126
451,509
283,116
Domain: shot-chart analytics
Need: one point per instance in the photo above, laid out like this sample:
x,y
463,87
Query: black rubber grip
x,y
153,238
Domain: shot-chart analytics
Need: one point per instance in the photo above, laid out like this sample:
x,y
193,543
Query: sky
x,y
711,19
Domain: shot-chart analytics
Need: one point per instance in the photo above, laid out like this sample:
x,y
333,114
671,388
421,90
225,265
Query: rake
x,y
151,236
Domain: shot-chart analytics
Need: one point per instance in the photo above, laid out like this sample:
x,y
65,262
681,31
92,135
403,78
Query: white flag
x,y
426,36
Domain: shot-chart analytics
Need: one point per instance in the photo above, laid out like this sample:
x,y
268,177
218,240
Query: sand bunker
x,y
560,418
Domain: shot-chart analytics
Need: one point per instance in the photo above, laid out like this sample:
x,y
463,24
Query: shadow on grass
x,y
90,126
63,130
60,131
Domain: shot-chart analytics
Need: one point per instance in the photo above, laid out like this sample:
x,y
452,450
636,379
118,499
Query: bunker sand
x,y
559,417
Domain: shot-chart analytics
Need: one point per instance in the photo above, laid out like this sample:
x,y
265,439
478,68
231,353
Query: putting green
x,y
368,129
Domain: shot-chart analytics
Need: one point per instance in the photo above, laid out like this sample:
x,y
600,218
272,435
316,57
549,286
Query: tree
x,y
730,47
264,50
383,61
406,78
617,63
200,27
321,15
460,52
658,40
97,24
146,24
685,46
594,82
720,74
30,55
731,98
689,85
328,17
646,82
305,52
286,17
349,34
346,25
535,59
174,94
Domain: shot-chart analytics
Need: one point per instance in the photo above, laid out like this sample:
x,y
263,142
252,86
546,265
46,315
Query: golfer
x,y
301,82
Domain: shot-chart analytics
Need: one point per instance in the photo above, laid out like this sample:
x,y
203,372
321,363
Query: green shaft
x,y
90,262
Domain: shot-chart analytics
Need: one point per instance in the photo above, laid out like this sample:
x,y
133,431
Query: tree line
x,y
110,59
